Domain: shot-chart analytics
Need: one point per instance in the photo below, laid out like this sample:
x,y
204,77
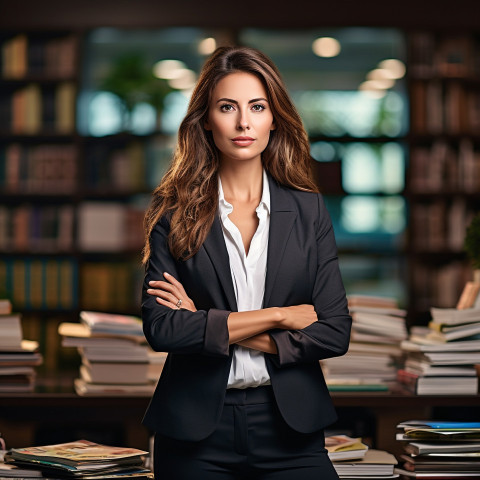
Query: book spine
x,y
40,284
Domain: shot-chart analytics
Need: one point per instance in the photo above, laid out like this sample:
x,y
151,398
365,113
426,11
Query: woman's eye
x,y
226,107
258,107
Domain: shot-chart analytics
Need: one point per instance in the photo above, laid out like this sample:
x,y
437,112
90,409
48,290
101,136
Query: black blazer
x,y
302,268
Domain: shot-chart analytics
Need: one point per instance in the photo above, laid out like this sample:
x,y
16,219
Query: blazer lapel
x,y
282,218
217,251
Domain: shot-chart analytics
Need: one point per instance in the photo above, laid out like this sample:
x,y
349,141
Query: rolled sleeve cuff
x,y
216,333
278,337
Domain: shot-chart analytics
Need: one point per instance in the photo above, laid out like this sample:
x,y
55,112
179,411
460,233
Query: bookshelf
x,y
70,216
67,185
444,170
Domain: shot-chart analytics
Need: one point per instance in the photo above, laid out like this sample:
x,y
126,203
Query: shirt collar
x,y
227,208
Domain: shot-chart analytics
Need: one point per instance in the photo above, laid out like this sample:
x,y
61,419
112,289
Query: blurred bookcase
x,y
70,220
444,170
71,204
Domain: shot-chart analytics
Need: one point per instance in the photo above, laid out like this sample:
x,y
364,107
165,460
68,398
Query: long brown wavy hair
x,y
188,192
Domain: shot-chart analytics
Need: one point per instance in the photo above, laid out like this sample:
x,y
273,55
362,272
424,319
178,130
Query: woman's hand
x,y
297,317
171,293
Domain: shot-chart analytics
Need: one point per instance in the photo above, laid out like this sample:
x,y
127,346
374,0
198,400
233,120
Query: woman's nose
x,y
243,123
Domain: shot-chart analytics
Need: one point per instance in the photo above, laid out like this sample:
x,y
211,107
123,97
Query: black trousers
x,y
252,442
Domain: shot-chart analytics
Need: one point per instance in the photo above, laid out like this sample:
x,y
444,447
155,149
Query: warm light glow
x,y
184,80
326,47
381,77
207,46
396,68
168,69
372,88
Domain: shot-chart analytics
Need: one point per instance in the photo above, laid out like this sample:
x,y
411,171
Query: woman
x,y
242,286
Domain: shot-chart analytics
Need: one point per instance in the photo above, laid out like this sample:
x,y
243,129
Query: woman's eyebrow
x,y
254,100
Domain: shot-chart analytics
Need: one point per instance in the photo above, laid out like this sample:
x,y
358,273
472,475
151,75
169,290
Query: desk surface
x,y
50,393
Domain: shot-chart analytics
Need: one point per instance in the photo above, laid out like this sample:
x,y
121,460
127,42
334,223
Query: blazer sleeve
x,y
178,331
329,336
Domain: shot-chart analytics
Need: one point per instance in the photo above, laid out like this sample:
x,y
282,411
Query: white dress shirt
x,y
248,275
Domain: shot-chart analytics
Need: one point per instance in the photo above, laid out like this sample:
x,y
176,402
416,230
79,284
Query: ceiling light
x,y
396,68
326,47
168,69
207,46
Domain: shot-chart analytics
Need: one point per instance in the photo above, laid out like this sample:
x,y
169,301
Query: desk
x,y
23,416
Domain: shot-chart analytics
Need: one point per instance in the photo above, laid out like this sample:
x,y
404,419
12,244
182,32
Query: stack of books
x,y
374,354
343,447
80,459
439,449
18,357
115,359
374,464
443,357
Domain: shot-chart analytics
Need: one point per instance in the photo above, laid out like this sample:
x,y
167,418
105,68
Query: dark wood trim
x,y
55,14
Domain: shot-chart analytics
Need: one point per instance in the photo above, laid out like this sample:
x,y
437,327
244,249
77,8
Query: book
x,y
17,379
436,475
81,459
11,332
375,301
22,358
100,322
8,470
114,373
430,346
440,427
343,447
426,463
85,389
58,275
426,369
422,385
374,463
448,333
453,316
389,325
422,448
133,354
80,335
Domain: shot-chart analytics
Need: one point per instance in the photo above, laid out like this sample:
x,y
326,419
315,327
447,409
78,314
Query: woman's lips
x,y
243,141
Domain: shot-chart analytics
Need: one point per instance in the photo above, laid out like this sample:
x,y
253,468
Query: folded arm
x,y
329,336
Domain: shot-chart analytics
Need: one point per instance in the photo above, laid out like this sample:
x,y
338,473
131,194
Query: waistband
x,y
249,396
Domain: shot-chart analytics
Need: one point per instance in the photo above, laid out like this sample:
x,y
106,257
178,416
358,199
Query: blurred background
x,y
92,94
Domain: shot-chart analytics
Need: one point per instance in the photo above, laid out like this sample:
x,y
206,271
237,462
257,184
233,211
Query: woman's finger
x,y
166,303
163,294
174,282
168,287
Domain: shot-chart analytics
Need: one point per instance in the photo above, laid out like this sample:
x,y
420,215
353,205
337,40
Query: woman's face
x,y
240,117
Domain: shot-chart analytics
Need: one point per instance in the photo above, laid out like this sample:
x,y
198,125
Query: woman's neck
x,y
242,181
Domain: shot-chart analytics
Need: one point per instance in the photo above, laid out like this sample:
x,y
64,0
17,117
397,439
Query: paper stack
x,y
80,459
18,357
375,464
443,357
374,354
115,357
440,449
343,447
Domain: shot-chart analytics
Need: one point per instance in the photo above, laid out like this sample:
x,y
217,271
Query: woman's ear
x,y
273,127
206,125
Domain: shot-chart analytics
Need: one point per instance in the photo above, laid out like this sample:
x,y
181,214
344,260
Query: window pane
x,y
328,91
366,167
119,89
